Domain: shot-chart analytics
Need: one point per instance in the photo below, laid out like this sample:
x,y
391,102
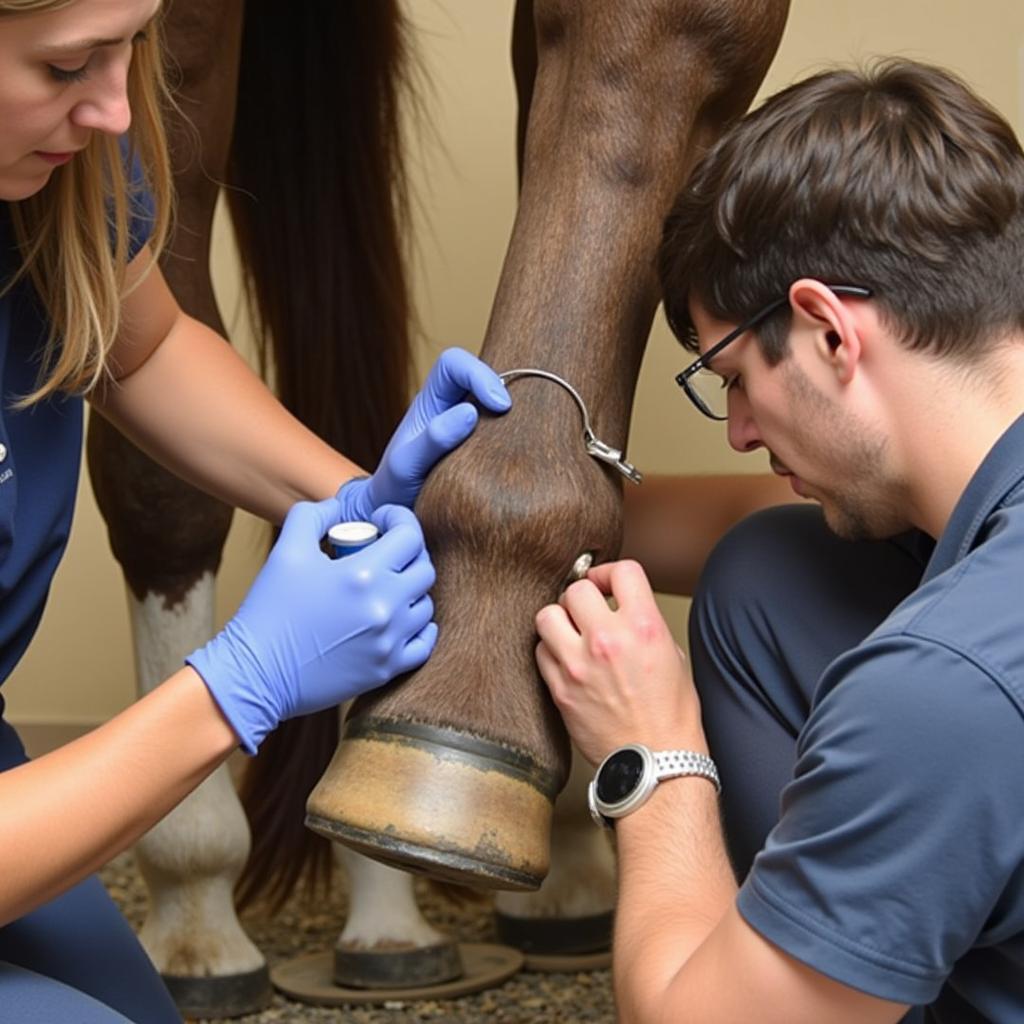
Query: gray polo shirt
x,y
897,866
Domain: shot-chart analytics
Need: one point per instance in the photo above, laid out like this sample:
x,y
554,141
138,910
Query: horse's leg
x,y
191,859
566,923
453,770
386,942
168,539
569,918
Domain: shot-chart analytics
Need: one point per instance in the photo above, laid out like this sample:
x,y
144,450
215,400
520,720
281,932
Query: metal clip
x,y
595,448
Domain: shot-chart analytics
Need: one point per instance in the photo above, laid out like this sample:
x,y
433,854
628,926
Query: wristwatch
x,y
627,777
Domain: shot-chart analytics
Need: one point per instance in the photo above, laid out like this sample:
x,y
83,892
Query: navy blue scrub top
x,y
40,455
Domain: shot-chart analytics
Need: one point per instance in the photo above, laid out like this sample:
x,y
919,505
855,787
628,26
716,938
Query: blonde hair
x,y
74,234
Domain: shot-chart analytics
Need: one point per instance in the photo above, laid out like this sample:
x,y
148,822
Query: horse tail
x,y
318,198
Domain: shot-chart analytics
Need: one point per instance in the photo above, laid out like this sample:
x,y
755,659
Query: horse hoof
x,y
437,802
564,945
229,995
397,968
556,936
308,979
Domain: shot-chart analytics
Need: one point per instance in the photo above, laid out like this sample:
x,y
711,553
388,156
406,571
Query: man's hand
x,y
616,674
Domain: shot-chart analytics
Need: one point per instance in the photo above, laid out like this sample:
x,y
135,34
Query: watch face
x,y
619,776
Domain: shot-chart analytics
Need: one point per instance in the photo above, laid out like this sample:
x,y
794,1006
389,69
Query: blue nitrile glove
x,y
314,631
438,420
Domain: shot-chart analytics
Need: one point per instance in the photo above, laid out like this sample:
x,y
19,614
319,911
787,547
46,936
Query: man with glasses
x,y
848,265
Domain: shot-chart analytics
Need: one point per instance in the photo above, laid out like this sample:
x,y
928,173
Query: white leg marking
x,y
192,858
383,913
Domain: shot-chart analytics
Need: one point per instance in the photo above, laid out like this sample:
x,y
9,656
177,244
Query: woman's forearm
x,y
197,408
64,815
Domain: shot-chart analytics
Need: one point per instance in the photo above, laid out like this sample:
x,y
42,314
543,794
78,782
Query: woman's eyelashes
x,y
68,75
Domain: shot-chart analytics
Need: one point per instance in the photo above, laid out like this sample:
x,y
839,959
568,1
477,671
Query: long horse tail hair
x,y
319,202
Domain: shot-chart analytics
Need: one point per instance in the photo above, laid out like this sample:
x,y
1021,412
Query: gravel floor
x,y
527,998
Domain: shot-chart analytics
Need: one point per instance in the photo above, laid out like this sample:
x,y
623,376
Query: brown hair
x,y
74,233
896,176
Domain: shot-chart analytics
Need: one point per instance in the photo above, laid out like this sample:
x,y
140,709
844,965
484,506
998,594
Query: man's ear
x,y
833,328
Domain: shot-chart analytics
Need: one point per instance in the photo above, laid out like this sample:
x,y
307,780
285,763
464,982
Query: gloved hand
x,y
438,420
313,632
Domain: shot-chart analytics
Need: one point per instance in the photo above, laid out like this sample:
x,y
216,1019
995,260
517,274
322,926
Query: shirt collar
x,y
999,474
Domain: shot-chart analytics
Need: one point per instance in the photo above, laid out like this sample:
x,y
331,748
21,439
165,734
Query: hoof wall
x,y
230,995
310,979
397,968
556,936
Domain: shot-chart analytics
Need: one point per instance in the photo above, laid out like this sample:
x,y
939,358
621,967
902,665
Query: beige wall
x,y
79,669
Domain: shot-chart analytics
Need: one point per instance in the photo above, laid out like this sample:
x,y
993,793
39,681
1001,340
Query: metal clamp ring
x,y
598,449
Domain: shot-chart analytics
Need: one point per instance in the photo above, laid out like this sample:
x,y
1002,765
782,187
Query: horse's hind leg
x,y
386,942
191,860
168,542
168,539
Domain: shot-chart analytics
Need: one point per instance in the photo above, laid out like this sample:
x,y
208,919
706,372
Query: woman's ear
x,y
833,329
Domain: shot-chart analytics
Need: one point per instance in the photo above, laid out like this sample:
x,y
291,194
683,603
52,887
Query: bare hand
x,y
617,675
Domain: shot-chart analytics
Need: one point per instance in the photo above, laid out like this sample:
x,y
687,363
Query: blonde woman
x,y
86,315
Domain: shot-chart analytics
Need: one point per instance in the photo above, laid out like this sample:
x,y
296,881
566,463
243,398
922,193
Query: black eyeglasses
x,y
708,391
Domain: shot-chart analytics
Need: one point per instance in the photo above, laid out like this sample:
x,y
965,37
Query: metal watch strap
x,y
654,768
671,764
